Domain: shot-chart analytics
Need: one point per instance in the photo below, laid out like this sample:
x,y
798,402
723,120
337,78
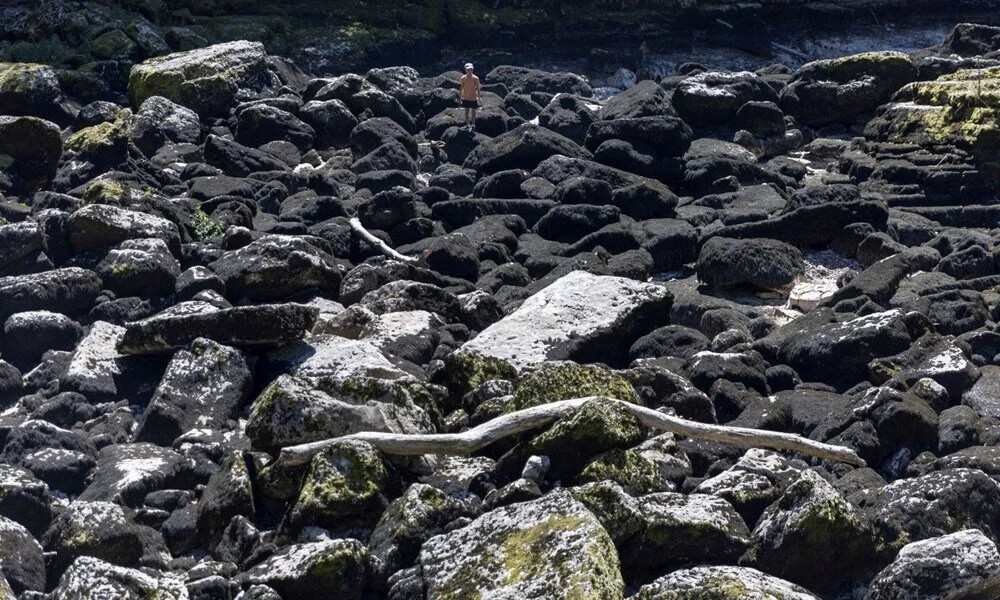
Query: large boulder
x,y
277,266
159,122
205,386
936,567
28,335
419,514
841,89
958,110
125,473
811,225
264,324
525,80
939,503
297,410
645,99
551,548
19,241
758,263
811,535
261,123
27,88
90,578
850,345
238,160
522,148
581,317
21,558
29,152
334,568
722,583
712,98
99,529
332,121
99,225
669,136
205,80
68,291
348,485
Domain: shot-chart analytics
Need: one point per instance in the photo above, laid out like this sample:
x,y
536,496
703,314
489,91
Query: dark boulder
x,y
758,263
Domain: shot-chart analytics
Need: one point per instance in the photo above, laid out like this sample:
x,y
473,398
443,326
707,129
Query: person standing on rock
x,y
468,93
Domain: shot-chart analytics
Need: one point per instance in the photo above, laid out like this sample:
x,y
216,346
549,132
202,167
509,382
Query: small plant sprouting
x,y
204,227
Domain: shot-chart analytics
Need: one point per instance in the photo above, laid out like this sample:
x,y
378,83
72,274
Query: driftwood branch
x,y
521,421
371,239
791,51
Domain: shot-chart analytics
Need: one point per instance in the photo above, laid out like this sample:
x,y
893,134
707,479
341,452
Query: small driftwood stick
x,y
371,239
521,421
791,51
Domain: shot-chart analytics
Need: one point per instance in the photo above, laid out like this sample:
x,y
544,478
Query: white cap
x,y
468,66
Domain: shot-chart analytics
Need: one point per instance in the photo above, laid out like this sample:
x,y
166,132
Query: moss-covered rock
x,y
104,144
617,511
551,382
295,410
412,519
27,88
960,110
659,532
552,548
465,371
680,530
811,535
106,191
347,486
722,583
656,465
113,45
841,89
90,578
335,568
598,426
204,80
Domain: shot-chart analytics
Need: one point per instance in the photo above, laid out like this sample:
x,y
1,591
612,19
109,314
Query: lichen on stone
x,y
554,381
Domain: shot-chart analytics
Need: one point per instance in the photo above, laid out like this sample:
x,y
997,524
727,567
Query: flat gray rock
x,y
581,317
984,397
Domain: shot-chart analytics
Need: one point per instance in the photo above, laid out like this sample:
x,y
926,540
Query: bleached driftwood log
x,y
388,251
521,421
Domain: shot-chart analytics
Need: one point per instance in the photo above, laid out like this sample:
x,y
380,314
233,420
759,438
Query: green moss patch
x,y
552,382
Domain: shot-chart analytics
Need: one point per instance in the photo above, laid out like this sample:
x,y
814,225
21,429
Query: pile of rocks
x,y
182,295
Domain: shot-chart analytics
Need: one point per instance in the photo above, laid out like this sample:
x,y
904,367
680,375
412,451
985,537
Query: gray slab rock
x,y
984,397
581,317
68,291
204,387
205,79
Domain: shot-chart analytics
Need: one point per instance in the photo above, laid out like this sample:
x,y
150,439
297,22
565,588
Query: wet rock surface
x,y
184,294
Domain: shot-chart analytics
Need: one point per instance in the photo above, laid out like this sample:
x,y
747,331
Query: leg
x,y
468,117
472,124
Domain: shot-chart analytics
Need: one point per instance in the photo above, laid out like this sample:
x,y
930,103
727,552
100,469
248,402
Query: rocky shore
x,y
215,261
